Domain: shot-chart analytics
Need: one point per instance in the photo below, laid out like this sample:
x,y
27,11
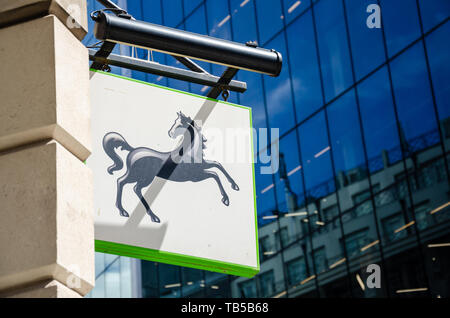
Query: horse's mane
x,y
194,125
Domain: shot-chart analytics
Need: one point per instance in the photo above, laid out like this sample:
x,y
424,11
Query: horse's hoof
x,y
125,214
156,219
235,187
226,201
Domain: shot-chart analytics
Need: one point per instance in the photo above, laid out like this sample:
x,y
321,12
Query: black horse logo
x,y
184,163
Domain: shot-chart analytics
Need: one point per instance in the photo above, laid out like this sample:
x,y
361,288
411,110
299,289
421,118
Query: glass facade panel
x,y
280,108
252,98
292,8
270,18
333,47
414,101
288,178
243,21
304,67
433,12
346,141
296,270
366,43
438,53
197,23
401,23
190,5
172,12
150,288
219,24
169,281
316,157
265,194
379,123
112,276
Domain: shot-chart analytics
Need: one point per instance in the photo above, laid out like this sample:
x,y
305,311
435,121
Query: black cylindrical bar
x,y
177,42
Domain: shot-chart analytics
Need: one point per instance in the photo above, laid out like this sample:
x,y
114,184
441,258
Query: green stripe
x,y
254,191
175,259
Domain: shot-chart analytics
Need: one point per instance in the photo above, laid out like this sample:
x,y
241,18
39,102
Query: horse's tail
x,y
111,141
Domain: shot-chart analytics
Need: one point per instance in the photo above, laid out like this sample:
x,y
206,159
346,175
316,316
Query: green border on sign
x,y
181,259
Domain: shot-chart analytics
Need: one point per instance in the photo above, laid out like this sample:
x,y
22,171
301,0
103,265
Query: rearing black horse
x,y
185,163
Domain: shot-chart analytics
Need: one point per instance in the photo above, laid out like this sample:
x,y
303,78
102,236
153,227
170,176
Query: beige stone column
x,y
46,203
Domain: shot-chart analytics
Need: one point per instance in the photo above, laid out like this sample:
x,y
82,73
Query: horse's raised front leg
x,y
138,191
211,174
120,183
218,165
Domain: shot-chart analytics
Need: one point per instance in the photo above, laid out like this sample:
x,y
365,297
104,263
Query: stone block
x,y
44,86
46,211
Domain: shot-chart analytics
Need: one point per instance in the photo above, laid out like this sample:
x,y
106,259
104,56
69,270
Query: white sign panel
x,y
173,176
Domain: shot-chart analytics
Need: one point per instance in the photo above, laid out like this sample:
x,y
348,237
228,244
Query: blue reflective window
x,y
367,44
135,9
345,133
401,23
265,193
219,19
278,93
197,23
304,67
288,178
433,12
315,152
172,12
190,5
413,98
233,98
243,21
269,18
378,119
438,46
253,97
151,10
333,47
292,8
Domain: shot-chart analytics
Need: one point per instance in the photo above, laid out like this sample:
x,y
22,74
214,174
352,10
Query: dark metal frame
x,y
202,78
248,55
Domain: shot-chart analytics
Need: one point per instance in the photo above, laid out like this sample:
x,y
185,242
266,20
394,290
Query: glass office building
x,y
364,124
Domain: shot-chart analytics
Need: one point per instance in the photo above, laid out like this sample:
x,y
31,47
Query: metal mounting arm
x,y
201,78
123,28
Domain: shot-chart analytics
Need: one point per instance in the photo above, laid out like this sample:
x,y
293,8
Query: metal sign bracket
x,y
103,58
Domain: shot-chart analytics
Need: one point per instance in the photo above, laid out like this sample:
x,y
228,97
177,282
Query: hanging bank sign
x,y
173,177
